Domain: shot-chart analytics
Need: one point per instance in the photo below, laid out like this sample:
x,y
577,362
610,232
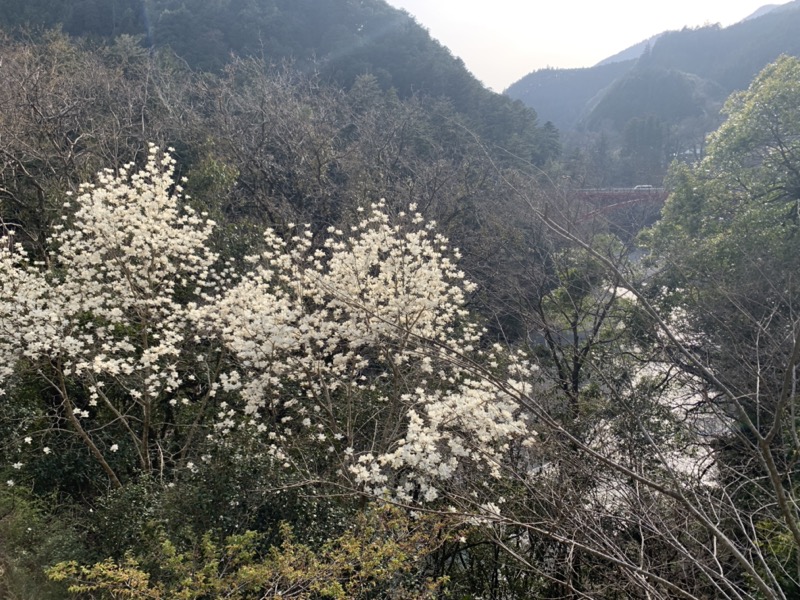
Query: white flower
x,y
10,483
46,450
114,447
17,465
28,439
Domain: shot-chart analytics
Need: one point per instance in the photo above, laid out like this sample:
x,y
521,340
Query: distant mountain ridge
x,y
727,57
562,95
627,118
632,52
760,12
768,8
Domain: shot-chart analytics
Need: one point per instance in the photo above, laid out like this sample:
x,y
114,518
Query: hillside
x,y
563,94
629,120
338,39
728,58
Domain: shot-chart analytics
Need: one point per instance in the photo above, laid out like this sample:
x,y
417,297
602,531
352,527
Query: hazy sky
x,y
502,40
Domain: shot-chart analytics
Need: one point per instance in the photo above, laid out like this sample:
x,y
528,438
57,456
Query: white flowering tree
x,y
354,354
363,346
104,321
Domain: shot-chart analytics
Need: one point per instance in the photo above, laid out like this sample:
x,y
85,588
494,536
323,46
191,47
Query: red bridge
x,y
629,209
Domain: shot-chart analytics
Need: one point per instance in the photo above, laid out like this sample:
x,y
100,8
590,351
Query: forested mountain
x,y
679,82
727,57
564,94
339,39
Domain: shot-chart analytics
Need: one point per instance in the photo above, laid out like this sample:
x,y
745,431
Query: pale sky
x,y
500,41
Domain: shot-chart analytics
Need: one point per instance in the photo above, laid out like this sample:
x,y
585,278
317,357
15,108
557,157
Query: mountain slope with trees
x,y
679,82
261,145
727,57
563,94
338,39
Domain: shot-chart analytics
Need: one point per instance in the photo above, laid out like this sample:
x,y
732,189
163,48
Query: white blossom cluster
x,y
363,331
306,313
468,427
30,313
386,298
107,308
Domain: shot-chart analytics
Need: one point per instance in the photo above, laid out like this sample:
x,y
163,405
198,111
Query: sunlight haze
x,y
503,40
